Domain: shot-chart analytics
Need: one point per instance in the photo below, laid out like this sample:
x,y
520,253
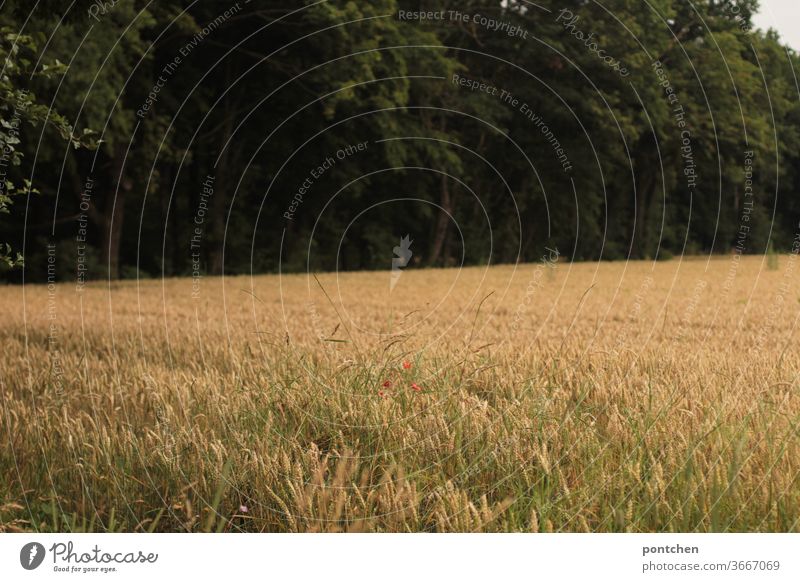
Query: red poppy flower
x,y
381,394
387,384
406,365
415,387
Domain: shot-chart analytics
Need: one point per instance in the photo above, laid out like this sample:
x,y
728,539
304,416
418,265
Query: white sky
x,y
783,16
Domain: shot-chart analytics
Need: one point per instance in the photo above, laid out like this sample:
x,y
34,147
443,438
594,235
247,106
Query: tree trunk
x,y
113,215
647,172
218,203
217,218
442,222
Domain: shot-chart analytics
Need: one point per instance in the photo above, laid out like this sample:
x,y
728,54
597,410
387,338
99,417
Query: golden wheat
x,y
547,397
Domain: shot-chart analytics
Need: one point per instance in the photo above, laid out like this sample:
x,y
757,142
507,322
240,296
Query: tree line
x,y
171,138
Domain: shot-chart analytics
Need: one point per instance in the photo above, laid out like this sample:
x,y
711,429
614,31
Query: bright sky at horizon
x,y
783,16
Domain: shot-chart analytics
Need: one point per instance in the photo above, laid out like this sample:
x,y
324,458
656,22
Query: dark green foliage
x,y
213,115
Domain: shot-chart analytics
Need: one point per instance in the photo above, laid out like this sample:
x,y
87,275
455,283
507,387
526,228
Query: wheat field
x,y
640,397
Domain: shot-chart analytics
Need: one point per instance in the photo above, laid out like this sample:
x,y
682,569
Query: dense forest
x,y
177,137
